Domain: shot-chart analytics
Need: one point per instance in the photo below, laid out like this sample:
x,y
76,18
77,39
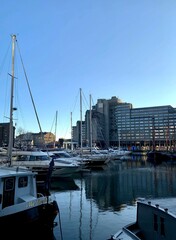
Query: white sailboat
x,y
35,160
91,158
22,207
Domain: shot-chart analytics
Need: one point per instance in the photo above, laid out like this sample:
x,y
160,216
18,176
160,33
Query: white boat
x,y
22,207
156,219
96,158
85,160
92,158
116,154
64,156
39,161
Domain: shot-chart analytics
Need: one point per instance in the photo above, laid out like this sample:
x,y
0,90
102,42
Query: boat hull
x,y
38,218
153,222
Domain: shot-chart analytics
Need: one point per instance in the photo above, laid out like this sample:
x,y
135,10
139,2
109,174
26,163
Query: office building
x,y
114,122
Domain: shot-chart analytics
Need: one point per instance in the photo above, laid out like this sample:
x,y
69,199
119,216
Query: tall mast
x,y
90,125
55,129
81,119
153,132
11,102
71,134
119,137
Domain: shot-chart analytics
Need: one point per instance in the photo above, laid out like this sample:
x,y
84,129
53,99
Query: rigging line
x,y
56,124
76,100
29,90
85,101
60,225
51,129
93,103
6,82
54,121
6,102
5,57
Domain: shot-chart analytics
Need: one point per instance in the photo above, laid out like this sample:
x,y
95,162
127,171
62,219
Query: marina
x,y
109,173
99,203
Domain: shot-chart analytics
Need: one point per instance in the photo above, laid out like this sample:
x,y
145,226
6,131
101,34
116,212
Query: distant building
x,y
4,134
74,133
115,123
39,140
24,141
111,122
81,139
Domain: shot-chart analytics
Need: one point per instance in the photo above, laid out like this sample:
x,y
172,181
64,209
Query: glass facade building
x,y
117,123
149,127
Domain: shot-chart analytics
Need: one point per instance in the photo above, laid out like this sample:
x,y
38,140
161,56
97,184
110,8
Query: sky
x,y
122,48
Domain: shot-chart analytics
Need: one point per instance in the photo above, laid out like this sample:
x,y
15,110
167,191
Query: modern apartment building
x,y
113,123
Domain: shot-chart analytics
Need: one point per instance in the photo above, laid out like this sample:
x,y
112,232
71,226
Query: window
x,y
155,222
162,226
22,182
9,184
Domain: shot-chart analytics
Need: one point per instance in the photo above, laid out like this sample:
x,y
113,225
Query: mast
x,y
153,132
11,102
71,134
55,129
90,125
81,119
119,137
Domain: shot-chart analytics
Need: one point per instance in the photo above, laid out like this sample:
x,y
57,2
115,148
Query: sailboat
x,y
91,158
22,207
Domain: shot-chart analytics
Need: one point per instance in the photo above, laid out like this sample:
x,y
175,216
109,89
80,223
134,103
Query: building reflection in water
x,y
126,181
99,203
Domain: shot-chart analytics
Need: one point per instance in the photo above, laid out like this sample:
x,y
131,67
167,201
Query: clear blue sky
x,y
122,48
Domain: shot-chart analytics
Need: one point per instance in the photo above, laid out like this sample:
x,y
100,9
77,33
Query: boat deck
x,y
169,203
163,203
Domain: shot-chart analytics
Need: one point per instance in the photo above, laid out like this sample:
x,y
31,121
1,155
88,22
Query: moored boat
x,y
158,157
21,205
155,219
38,161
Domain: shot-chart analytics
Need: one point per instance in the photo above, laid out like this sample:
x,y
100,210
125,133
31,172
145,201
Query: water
x,y
99,203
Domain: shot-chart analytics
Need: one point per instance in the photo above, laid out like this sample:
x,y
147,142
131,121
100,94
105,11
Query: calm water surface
x,y
99,203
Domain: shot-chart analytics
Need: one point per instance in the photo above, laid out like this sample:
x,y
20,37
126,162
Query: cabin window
x,y
22,158
32,158
9,184
155,222
22,182
8,192
162,226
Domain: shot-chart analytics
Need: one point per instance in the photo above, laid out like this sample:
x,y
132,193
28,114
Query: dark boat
x,y
158,157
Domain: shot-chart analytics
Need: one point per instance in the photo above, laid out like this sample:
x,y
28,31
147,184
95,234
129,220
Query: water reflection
x,y
125,181
61,184
105,200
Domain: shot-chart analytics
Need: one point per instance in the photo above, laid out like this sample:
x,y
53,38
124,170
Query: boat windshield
x,y
32,158
62,154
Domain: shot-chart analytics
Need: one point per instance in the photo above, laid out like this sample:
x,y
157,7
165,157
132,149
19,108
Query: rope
x,y
60,225
29,89
31,96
